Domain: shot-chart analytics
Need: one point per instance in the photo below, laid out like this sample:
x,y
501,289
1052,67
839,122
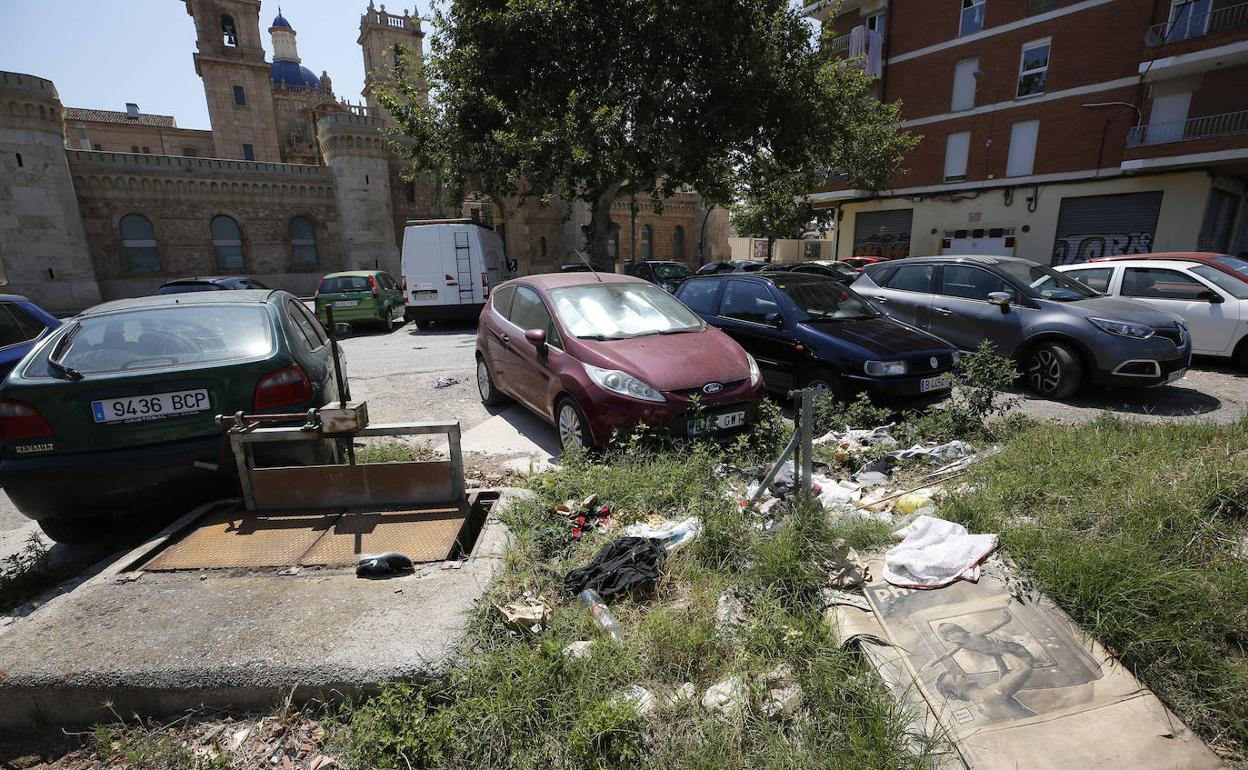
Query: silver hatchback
x,y
1061,333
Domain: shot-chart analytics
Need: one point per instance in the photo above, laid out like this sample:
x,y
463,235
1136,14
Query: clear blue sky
x,y
104,53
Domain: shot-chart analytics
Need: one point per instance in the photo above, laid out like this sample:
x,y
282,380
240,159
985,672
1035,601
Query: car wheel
x,y
490,395
573,427
1053,370
422,325
1241,354
77,530
389,322
827,381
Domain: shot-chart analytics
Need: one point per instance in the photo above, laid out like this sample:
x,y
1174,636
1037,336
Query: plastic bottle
x,y
682,534
602,616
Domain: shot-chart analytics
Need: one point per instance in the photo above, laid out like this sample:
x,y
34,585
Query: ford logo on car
x,y
711,388
934,362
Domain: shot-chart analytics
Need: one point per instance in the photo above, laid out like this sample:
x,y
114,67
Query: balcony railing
x,y
838,45
1187,26
1207,127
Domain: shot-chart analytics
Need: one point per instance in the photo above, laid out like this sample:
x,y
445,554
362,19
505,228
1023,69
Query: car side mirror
x,y
343,330
1001,299
774,319
1211,296
536,338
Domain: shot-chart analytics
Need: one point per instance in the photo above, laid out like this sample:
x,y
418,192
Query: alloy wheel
x,y
1044,372
571,433
484,386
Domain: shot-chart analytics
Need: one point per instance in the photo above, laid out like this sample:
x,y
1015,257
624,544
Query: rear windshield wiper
x,y
62,347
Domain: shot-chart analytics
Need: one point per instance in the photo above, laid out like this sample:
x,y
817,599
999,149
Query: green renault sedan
x,y
362,296
113,412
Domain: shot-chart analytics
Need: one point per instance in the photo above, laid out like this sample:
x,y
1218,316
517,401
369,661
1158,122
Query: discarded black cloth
x,y
620,566
383,565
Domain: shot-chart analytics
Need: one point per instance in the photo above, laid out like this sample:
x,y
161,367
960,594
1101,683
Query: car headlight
x,y
885,368
623,383
1122,328
756,375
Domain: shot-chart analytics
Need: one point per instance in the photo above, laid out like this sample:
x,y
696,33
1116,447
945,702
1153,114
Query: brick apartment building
x,y
1056,130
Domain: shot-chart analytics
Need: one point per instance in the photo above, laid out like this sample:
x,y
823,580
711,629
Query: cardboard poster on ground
x,y
1015,683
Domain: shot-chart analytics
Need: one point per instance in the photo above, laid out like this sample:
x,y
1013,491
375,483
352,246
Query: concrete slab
x,y
167,642
525,442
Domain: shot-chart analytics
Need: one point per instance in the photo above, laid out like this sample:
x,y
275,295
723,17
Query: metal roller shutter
x,y
1100,225
883,233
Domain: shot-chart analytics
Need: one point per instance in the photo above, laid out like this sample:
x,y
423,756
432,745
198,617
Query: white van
x,y
449,267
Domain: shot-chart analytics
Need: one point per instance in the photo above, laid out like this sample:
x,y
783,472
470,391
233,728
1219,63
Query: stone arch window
x,y
647,242
303,243
139,241
542,247
613,242
229,32
227,243
678,242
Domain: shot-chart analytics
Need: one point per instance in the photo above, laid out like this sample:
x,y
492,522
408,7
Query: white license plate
x,y
157,406
718,422
347,303
928,384
425,294
1176,376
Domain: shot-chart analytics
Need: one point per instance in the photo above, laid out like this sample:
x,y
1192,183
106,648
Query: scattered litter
x,y
129,577
445,382
912,502
836,596
585,515
674,534
870,478
959,465
728,696
954,450
641,699
602,615
857,640
620,566
880,436
832,494
578,650
935,553
845,569
383,565
730,614
784,694
290,571
528,614
238,737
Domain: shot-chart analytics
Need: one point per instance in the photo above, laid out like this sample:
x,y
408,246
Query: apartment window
x,y
303,242
613,246
99,146
1022,158
240,96
249,152
138,240
227,243
1033,68
964,83
134,148
972,17
147,150
1188,19
678,243
957,148
1036,7
875,23
647,241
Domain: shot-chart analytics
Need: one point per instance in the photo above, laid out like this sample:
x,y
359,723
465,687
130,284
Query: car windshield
x,y
1227,283
1238,264
166,337
826,301
344,283
187,288
616,311
666,271
1047,283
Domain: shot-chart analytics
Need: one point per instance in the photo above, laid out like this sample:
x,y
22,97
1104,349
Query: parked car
x,y
211,283
860,263
812,331
1213,302
732,266
449,269
113,411
1061,333
664,273
1235,266
22,324
837,270
362,296
591,354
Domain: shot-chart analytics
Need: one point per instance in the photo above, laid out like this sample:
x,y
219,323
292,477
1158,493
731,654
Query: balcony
x,y
838,46
1205,127
1189,26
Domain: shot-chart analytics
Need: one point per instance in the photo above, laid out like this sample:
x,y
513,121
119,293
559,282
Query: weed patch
x,y
26,574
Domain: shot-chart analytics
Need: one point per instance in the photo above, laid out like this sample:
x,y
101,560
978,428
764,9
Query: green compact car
x,y
363,296
113,411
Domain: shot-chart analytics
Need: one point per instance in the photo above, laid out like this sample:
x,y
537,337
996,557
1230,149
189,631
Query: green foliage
x,y
832,414
765,438
26,573
1137,530
376,452
154,749
981,396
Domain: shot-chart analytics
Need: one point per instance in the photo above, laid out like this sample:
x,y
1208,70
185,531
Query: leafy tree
x,y
590,100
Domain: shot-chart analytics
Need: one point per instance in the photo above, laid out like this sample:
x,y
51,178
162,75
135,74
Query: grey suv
x,y
1060,332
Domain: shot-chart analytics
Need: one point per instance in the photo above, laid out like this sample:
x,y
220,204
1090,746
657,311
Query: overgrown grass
x,y
26,574
1139,531
393,452
518,702
135,746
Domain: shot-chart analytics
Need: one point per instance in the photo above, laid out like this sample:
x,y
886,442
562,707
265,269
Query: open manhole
x,y
238,539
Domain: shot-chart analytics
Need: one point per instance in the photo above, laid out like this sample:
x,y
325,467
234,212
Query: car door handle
x,y
880,299
505,338
943,310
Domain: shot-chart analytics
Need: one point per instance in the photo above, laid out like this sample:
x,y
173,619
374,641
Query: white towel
x,y
935,553
875,54
858,41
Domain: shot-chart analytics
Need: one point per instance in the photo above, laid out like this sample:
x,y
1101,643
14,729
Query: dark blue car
x,y
22,323
812,331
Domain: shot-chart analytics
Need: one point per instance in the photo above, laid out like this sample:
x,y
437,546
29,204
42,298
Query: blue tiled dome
x,y
280,21
293,74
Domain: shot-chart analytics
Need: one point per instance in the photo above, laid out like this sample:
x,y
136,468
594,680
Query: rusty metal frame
x,y
242,441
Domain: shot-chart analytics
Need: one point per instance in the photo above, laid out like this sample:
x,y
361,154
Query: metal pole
x,y
805,430
343,393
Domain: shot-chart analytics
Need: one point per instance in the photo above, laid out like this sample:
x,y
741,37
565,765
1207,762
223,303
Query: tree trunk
x,y
598,233
771,248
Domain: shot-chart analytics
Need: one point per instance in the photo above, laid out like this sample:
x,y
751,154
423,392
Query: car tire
x,y
1241,354
388,324
1053,370
573,428
490,395
423,325
827,380
75,531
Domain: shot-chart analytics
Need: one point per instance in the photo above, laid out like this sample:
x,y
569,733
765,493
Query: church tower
x,y
230,60
381,33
